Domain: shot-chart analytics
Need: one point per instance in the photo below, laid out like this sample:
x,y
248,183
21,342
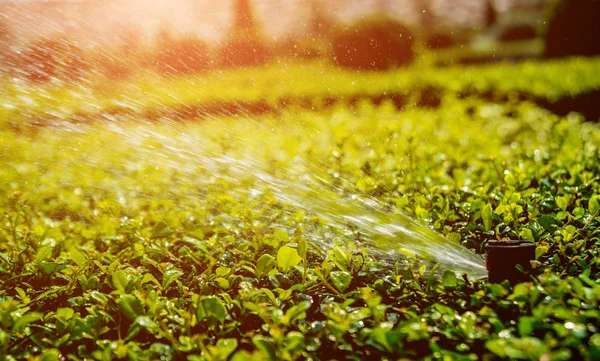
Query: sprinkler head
x,y
503,258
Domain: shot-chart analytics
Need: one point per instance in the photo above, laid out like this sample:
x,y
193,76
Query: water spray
x,y
391,234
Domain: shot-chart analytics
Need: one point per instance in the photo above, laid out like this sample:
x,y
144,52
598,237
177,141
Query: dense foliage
x,y
277,84
131,240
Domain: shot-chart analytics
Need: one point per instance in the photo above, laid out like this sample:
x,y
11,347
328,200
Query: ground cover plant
x,y
129,239
256,197
312,84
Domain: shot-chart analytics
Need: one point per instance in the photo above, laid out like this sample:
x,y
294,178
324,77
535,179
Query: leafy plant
x,y
166,240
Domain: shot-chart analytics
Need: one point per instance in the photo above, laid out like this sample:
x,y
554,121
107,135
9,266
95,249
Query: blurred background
x,y
45,39
96,20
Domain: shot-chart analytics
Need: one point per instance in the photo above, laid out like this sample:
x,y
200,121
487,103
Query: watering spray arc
x,y
392,234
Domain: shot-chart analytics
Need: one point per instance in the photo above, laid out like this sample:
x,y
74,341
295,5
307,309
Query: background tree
x,y
244,47
244,17
491,17
184,55
573,29
426,18
6,44
314,42
320,22
377,43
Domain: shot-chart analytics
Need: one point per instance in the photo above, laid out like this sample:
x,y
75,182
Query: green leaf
x,y
302,247
570,229
548,222
131,306
454,237
562,203
78,257
24,320
527,234
148,277
42,254
211,307
594,204
526,325
161,230
50,355
595,346
222,282
449,279
266,346
510,179
98,297
264,265
295,312
223,348
120,280
65,313
22,295
526,348
281,235
52,267
342,257
146,322
287,257
379,336
222,271
486,216
170,276
270,296
340,279
540,251
595,341
467,323
241,355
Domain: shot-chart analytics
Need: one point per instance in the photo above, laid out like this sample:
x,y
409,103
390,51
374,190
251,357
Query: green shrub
x,y
374,44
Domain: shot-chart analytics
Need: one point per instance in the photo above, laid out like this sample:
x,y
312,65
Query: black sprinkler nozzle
x,y
503,258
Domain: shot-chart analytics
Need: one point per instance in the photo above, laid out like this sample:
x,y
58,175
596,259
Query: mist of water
x,y
392,233
300,185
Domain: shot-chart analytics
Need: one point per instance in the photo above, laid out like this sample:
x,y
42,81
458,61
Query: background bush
x,y
518,32
376,44
303,48
183,56
53,57
439,41
244,51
